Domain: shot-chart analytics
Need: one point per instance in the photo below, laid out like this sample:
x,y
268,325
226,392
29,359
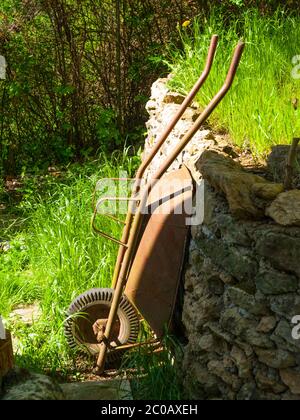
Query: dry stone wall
x,y
242,284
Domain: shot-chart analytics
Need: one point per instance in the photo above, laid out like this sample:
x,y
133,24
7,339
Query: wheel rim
x,y
91,306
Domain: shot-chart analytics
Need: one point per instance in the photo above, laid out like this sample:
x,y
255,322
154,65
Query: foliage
x,y
258,111
71,88
55,257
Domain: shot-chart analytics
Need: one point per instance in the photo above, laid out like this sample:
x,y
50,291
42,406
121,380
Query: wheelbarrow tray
x,y
157,266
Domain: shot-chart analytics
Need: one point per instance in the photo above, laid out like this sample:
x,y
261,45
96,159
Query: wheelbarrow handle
x,y
136,225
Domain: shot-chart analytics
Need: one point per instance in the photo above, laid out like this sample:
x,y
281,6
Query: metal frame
x,y
134,217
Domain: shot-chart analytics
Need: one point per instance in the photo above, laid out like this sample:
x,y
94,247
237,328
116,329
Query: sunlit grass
x,y
57,257
258,111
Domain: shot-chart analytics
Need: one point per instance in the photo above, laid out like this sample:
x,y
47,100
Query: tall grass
x,y
56,257
258,111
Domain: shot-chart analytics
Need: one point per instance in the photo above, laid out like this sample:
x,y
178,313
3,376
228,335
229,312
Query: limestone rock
x,y
244,300
285,210
228,176
242,362
271,282
282,336
267,324
23,385
110,390
292,379
282,250
268,380
286,305
277,359
267,191
225,369
173,98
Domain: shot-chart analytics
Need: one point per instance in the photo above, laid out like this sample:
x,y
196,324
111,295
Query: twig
x,y
289,171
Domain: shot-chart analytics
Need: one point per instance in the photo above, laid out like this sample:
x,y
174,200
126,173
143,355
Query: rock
x,y
246,301
283,251
288,396
243,363
110,390
217,330
207,343
282,336
291,378
225,370
285,210
231,259
26,314
267,191
269,380
272,282
256,339
287,306
228,176
247,392
277,359
173,98
20,384
199,382
267,324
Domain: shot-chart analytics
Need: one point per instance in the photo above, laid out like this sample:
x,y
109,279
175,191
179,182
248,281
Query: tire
x,y
91,306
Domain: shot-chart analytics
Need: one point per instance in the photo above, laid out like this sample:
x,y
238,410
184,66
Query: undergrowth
x,y
55,256
258,112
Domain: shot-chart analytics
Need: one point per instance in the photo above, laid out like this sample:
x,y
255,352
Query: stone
x,y
231,259
199,382
288,396
257,339
267,324
247,392
282,336
21,384
246,301
173,98
277,359
26,314
243,363
233,231
269,380
228,176
285,210
287,306
109,390
207,343
225,370
272,282
291,378
236,322
215,285
283,251
215,328
267,191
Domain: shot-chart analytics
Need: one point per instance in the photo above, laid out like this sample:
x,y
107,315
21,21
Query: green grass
x,y
258,111
56,257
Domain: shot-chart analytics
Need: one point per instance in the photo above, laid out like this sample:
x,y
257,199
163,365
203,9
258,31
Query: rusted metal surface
x,y
127,256
156,270
6,355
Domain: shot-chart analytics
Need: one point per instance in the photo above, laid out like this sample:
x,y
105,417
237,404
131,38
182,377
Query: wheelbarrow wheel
x,y
91,309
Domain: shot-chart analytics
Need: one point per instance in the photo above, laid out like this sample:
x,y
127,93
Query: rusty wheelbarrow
x,y
106,322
